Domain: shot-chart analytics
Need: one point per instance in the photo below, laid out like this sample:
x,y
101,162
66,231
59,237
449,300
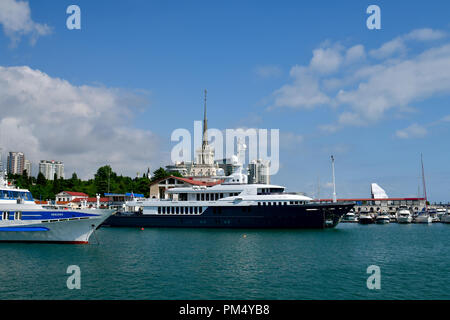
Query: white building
x,y
27,166
50,168
258,172
16,162
68,196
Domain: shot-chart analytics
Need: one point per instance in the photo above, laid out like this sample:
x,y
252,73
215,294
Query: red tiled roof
x,y
197,182
104,199
80,194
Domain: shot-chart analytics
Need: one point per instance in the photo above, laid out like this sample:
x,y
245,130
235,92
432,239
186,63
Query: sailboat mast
x,y
423,182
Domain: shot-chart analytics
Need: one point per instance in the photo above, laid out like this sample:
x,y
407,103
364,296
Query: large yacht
x,y
232,204
22,220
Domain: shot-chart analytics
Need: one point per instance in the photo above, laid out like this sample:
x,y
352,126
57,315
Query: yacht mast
x,y
423,182
205,135
334,182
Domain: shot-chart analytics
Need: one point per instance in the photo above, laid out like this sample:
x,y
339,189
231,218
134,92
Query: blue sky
x,y
136,71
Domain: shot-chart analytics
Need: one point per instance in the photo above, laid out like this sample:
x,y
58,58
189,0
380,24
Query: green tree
x,y
41,179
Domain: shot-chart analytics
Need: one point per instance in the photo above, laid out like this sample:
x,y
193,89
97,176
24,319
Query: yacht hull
x,y
423,219
311,216
404,220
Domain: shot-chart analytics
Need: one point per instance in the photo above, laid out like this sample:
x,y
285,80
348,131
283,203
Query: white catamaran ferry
x,y
22,220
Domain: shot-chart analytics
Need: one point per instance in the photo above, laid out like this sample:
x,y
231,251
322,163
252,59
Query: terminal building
x,y
380,202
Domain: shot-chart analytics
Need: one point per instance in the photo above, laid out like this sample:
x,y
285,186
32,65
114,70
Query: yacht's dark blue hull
x,y
297,216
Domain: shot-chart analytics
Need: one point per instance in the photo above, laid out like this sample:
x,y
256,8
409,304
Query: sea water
x,y
131,263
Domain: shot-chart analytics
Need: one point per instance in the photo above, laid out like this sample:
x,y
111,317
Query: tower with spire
x,y
204,168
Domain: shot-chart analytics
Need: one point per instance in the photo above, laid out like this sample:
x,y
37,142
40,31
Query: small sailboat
x,y
424,215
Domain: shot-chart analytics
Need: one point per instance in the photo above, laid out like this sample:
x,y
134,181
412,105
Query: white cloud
x,y
400,84
83,126
413,131
326,60
303,93
355,53
389,48
364,88
15,16
398,45
425,34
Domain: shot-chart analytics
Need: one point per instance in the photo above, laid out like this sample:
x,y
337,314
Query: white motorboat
x,y
350,217
404,215
423,217
446,217
382,219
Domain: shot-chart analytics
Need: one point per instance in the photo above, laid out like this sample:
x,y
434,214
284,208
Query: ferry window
x,y
207,197
177,210
195,210
199,209
198,196
203,197
163,209
221,195
259,204
190,210
5,216
159,209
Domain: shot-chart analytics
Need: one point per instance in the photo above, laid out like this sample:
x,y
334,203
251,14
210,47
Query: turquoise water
x,y
236,264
